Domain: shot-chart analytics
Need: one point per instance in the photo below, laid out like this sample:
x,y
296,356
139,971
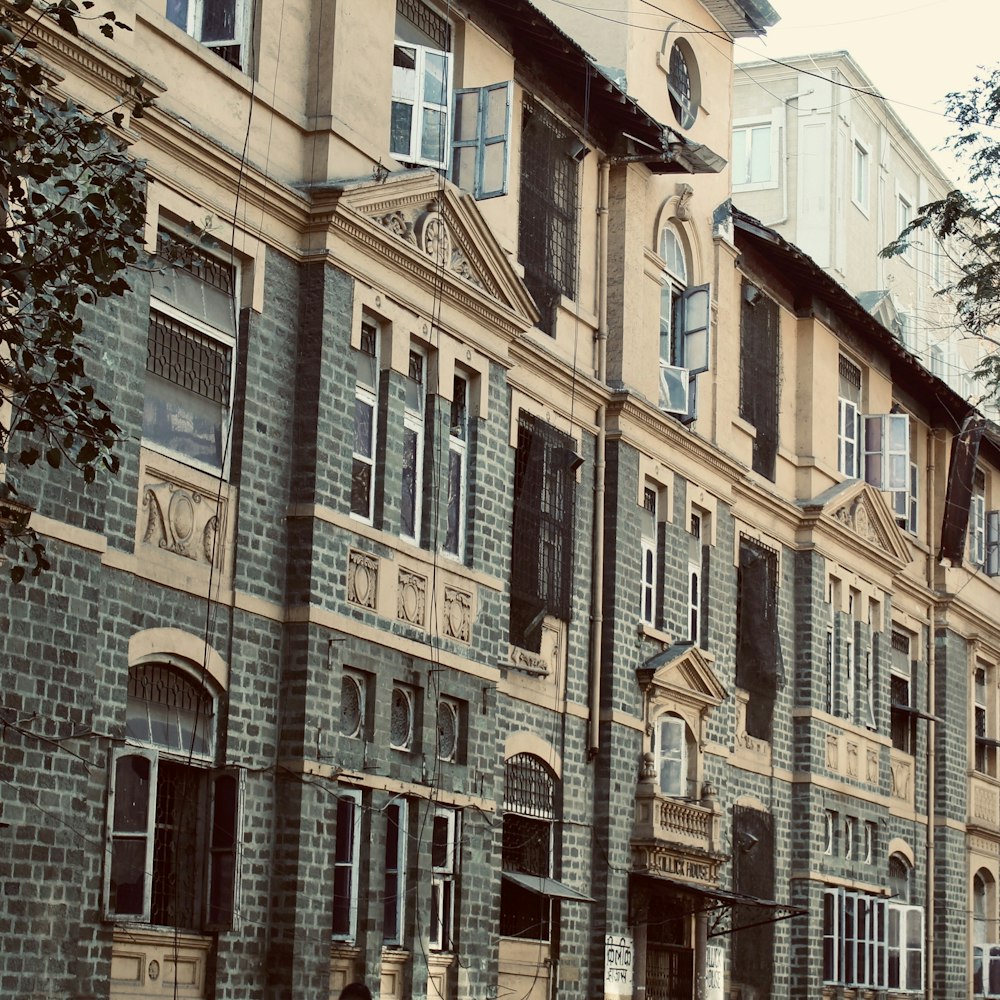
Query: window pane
x,y
401,128
496,113
463,167
218,20
408,501
435,77
440,843
466,125
128,868
740,172
182,421
363,417
494,157
361,486
177,13
760,155
455,501
132,795
432,135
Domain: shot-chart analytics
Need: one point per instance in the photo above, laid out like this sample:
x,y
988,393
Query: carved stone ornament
x,y
398,224
872,774
362,579
852,760
858,518
457,614
182,520
411,597
900,773
525,659
435,238
832,753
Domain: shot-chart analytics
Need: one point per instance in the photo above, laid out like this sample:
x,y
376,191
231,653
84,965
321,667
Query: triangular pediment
x,y
682,672
861,510
438,232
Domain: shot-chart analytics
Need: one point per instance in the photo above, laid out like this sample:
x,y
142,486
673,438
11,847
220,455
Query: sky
x,y
914,51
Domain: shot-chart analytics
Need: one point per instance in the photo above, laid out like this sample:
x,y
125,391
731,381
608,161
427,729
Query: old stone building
x,y
526,577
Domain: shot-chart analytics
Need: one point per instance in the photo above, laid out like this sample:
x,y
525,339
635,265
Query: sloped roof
x,y
743,18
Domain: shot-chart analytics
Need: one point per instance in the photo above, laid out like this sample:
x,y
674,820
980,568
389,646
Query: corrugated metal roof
x,y
743,18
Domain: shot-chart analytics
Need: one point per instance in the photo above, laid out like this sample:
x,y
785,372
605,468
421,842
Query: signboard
x,y
715,972
618,956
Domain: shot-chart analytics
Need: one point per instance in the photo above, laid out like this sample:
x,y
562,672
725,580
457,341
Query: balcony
x,y
676,837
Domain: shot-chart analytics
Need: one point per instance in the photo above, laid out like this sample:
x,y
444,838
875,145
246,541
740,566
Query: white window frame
x,y
414,422
984,752
351,864
829,831
194,23
849,830
483,139
904,216
861,175
225,340
751,129
395,865
849,440
992,563
869,856
977,521
648,552
671,754
897,943
869,691
694,580
850,673
444,900
913,507
856,938
419,102
367,395
887,453
458,460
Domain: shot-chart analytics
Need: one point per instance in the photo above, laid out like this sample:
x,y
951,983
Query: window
x,y
190,355
913,508
984,695
831,652
902,719
671,755
684,329
760,375
906,930
861,180
421,86
173,821
849,826
547,224
850,672
869,680
870,942
480,147
353,705
694,580
411,501
648,549
992,565
887,457
529,812
848,418
458,468
366,373
829,832
347,865
871,838
220,25
401,717
444,868
977,520
904,216
752,157
683,85
449,728
542,537
394,889
757,651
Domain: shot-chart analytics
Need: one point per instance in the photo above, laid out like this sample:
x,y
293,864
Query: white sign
x,y
715,972
618,965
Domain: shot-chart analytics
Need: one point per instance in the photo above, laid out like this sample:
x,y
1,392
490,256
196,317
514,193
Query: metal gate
x,y
669,973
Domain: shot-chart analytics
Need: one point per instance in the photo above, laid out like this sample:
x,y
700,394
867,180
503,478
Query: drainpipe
x,y
597,591
931,739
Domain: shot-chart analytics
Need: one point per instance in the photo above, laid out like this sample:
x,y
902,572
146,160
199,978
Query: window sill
x,y
647,631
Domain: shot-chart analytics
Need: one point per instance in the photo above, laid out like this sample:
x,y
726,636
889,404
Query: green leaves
x,y
72,222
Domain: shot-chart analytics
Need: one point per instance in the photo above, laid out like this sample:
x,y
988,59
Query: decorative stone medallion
x,y
411,597
457,614
362,579
181,519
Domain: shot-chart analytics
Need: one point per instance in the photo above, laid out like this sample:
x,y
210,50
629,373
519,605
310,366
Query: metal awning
x,y
711,899
550,887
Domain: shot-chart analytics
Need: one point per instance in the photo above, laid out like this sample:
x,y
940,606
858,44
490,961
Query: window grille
x,y
401,720
187,358
542,538
167,709
427,21
679,88
547,223
217,273
528,787
447,729
850,374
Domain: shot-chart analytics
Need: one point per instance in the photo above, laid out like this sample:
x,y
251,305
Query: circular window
x,y
447,730
682,84
401,722
351,706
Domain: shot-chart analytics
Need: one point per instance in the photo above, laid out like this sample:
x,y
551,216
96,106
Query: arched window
x,y
671,755
899,878
985,950
529,813
684,327
173,822
982,884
